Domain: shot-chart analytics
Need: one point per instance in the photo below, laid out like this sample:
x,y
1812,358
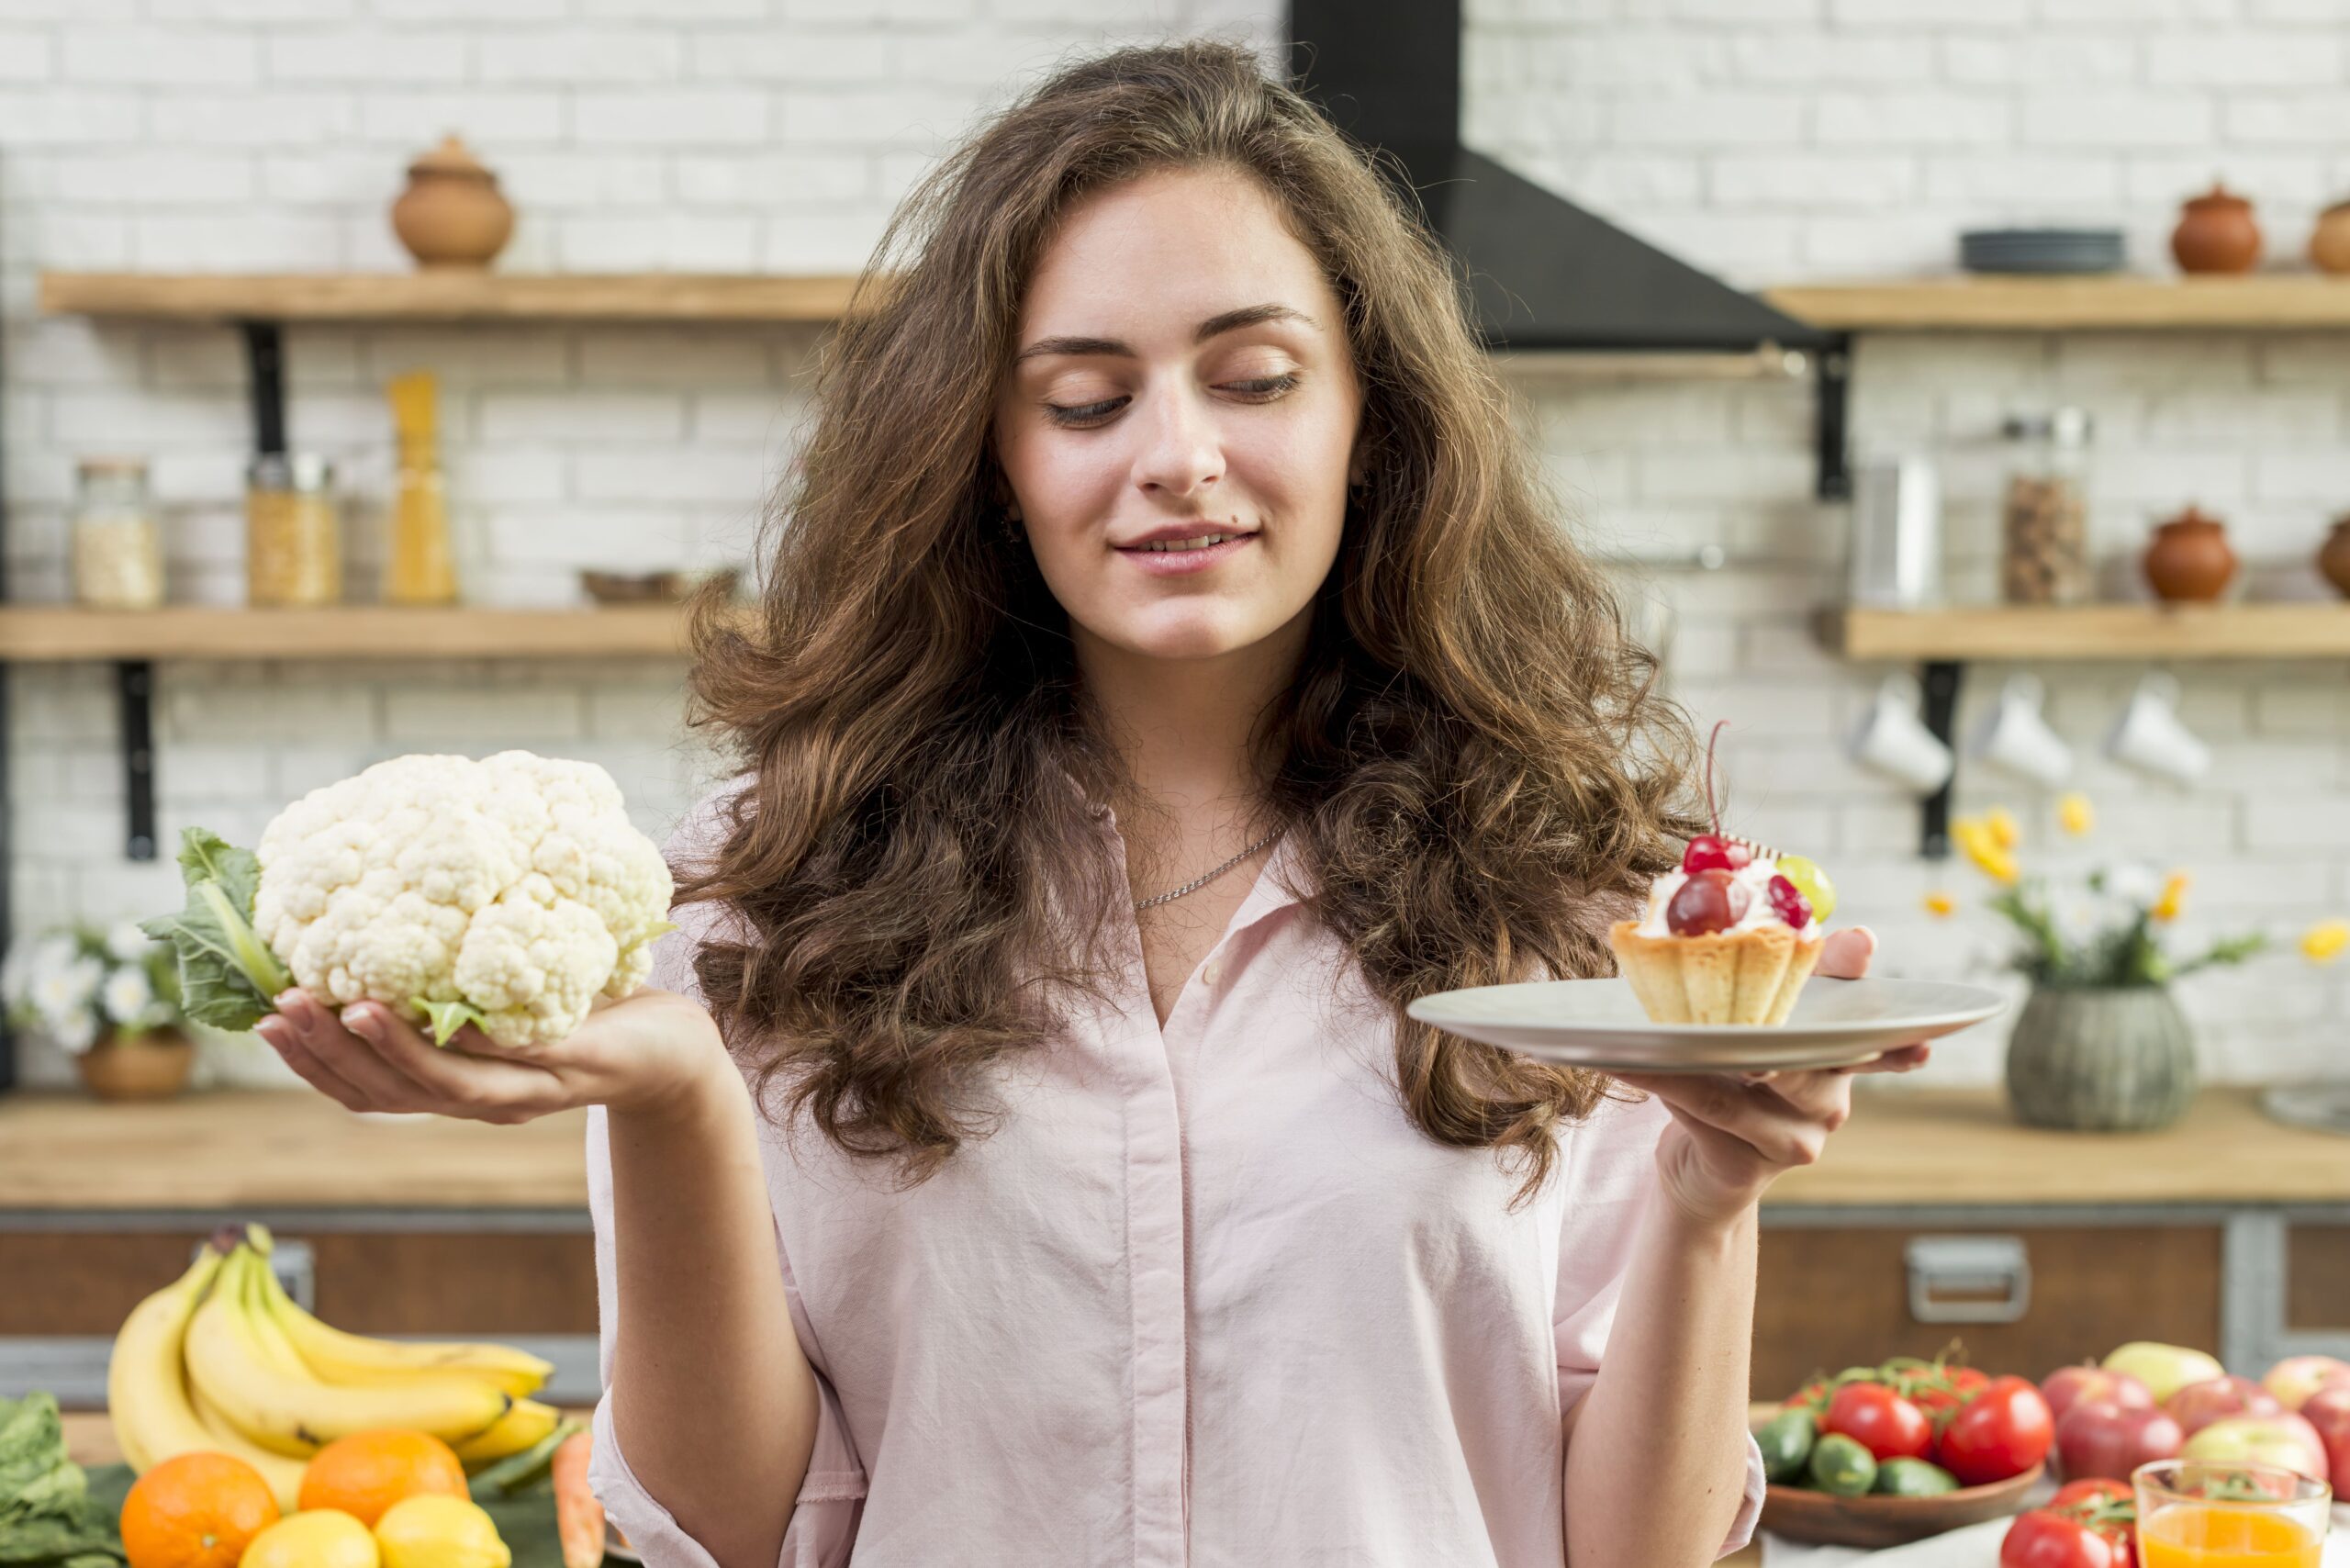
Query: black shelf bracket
x,y
1833,410
265,358
1940,682
135,680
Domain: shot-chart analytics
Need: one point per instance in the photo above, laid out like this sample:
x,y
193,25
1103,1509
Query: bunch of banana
x,y
223,1360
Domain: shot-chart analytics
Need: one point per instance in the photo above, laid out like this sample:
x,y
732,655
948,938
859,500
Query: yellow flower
x,y
2074,814
2002,824
2174,894
2323,942
1980,845
1939,903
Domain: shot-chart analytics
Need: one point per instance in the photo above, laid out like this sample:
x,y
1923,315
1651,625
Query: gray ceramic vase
x,y
2100,1058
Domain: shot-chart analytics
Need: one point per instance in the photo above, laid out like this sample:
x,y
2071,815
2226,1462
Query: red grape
x,y
1709,902
1788,900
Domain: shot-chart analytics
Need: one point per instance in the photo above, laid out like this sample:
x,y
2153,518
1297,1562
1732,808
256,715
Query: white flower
x,y
127,996
126,943
76,1033
62,992
2134,882
2078,918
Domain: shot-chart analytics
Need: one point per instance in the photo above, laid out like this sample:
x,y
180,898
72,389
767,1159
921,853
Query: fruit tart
x,y
1730,936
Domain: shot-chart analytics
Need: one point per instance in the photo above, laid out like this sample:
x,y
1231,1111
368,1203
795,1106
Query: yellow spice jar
x,y
292,538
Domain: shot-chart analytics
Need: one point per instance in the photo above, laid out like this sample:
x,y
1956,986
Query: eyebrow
x,y
1213,327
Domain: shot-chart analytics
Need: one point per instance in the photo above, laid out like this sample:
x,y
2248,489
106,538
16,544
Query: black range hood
x,y
1545,273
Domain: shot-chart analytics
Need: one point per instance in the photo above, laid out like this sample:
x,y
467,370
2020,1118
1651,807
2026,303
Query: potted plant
x,y
2100,1044
109,998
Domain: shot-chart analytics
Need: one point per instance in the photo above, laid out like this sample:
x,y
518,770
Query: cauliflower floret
x,y
511,891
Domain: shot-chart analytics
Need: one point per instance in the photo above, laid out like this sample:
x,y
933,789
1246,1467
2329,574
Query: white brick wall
x,y
1766,140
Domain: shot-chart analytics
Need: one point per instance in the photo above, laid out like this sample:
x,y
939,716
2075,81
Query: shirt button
x,y
1214,973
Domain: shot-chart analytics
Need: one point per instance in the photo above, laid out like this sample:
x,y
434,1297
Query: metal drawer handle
x,y
1950,1279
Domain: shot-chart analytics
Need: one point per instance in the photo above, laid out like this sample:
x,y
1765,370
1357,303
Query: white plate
x,y
1598,1023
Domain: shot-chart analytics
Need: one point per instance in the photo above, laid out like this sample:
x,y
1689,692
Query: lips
x,y
1176,532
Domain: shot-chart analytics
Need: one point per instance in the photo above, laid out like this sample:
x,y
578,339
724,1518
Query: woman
x,y
1168,669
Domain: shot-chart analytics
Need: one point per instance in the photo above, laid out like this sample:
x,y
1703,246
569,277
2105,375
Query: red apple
x,y
2199,1404
2102,1436
2295,1378
2286,1440
2068,1386
2328,1410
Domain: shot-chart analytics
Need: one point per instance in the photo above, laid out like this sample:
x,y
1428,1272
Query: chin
x,y
1183,631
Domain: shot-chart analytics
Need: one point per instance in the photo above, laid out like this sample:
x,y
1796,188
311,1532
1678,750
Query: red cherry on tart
x,y
1709,900
1708,852
1788,902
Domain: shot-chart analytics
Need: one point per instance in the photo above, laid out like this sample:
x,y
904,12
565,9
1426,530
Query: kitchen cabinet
x,y
1933,1216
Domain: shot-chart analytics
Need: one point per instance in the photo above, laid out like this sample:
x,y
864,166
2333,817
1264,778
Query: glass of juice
x,y
2214,1514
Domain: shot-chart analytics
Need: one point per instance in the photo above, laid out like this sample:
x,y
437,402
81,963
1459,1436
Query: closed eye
x,y
1263,389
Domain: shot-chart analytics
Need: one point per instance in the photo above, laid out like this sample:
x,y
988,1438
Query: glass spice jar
x,y
2044,543
118,542
292,538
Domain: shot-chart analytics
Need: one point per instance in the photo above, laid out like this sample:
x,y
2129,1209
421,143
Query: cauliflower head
x,y
509,893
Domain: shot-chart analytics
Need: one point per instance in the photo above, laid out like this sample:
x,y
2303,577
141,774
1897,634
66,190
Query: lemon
x,y
315,1538
434,1530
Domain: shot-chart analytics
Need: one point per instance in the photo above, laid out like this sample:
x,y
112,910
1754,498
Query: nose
x,y
1181,454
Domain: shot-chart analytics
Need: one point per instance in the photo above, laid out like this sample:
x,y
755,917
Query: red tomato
x,y
1879,1420
1958,1385
2043,1539
2002,1431
2091,1486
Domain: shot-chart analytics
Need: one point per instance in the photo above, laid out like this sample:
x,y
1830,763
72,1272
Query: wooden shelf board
x,y
450,296
2281,303
57,633
2286,631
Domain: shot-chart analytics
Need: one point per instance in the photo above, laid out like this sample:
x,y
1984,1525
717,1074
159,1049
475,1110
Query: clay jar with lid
x,y
2330,241
2334,555
2216,233
2189,559
451,214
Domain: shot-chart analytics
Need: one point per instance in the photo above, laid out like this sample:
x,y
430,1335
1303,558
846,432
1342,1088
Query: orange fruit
x,y
198,1510
366,1472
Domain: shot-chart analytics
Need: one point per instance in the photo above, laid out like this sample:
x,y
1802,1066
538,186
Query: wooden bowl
x,y
1872,1520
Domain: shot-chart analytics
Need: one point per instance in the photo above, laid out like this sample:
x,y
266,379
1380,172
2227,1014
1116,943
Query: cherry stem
x,y
1710,810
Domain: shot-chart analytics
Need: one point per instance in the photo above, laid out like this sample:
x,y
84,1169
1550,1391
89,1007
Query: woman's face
x,y
1182,369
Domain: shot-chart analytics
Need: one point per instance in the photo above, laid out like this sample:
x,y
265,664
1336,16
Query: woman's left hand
x,y
1732,1135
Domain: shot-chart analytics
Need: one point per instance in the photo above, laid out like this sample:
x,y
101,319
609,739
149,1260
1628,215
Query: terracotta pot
x,y
451,214
2334,555
152,1066
2330,241
2188,557
2100,1058
2216,233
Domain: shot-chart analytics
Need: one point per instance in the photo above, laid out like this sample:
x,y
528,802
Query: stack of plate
x,y
2041,250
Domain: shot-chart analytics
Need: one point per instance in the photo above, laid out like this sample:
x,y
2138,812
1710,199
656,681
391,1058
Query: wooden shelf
x,y
47,633
447,296
2289,631
2284,302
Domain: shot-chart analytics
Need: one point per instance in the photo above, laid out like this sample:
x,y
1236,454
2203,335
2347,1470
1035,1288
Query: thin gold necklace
x,y
1197,883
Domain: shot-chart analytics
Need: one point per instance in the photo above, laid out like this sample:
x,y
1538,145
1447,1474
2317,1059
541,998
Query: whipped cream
x,y
1755,876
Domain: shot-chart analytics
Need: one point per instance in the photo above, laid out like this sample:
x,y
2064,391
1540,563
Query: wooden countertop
x,y
277,1148
297,1149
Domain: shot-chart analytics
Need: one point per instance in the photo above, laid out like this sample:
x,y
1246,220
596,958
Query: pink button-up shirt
x,y
1205,1297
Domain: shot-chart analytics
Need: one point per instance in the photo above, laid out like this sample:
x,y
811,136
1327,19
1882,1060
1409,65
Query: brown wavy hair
x,y
1477,767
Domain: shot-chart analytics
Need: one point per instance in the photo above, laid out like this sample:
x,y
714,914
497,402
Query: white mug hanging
x,y
2150,735
1893,740
2015,737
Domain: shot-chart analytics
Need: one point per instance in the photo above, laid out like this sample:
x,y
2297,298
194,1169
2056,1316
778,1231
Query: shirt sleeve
x,y
1612,1166
822,1529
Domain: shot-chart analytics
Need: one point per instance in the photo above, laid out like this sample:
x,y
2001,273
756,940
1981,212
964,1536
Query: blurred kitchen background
x,y
1769,143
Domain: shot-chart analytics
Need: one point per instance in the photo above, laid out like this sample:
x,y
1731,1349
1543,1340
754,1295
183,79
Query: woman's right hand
x,y
636,1054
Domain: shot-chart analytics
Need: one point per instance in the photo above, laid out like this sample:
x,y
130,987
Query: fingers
x,y
1845,955
280,1033
1901,1059
456,1082
367,1086
1757,1115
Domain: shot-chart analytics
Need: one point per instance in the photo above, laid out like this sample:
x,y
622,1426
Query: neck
x,y
1183,727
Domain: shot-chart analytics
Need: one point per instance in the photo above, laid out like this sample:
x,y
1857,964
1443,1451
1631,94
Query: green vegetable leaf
x,y
228,976
448,1018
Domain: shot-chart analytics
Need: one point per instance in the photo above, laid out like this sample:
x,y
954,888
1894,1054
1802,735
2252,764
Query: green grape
x,y
1812,883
